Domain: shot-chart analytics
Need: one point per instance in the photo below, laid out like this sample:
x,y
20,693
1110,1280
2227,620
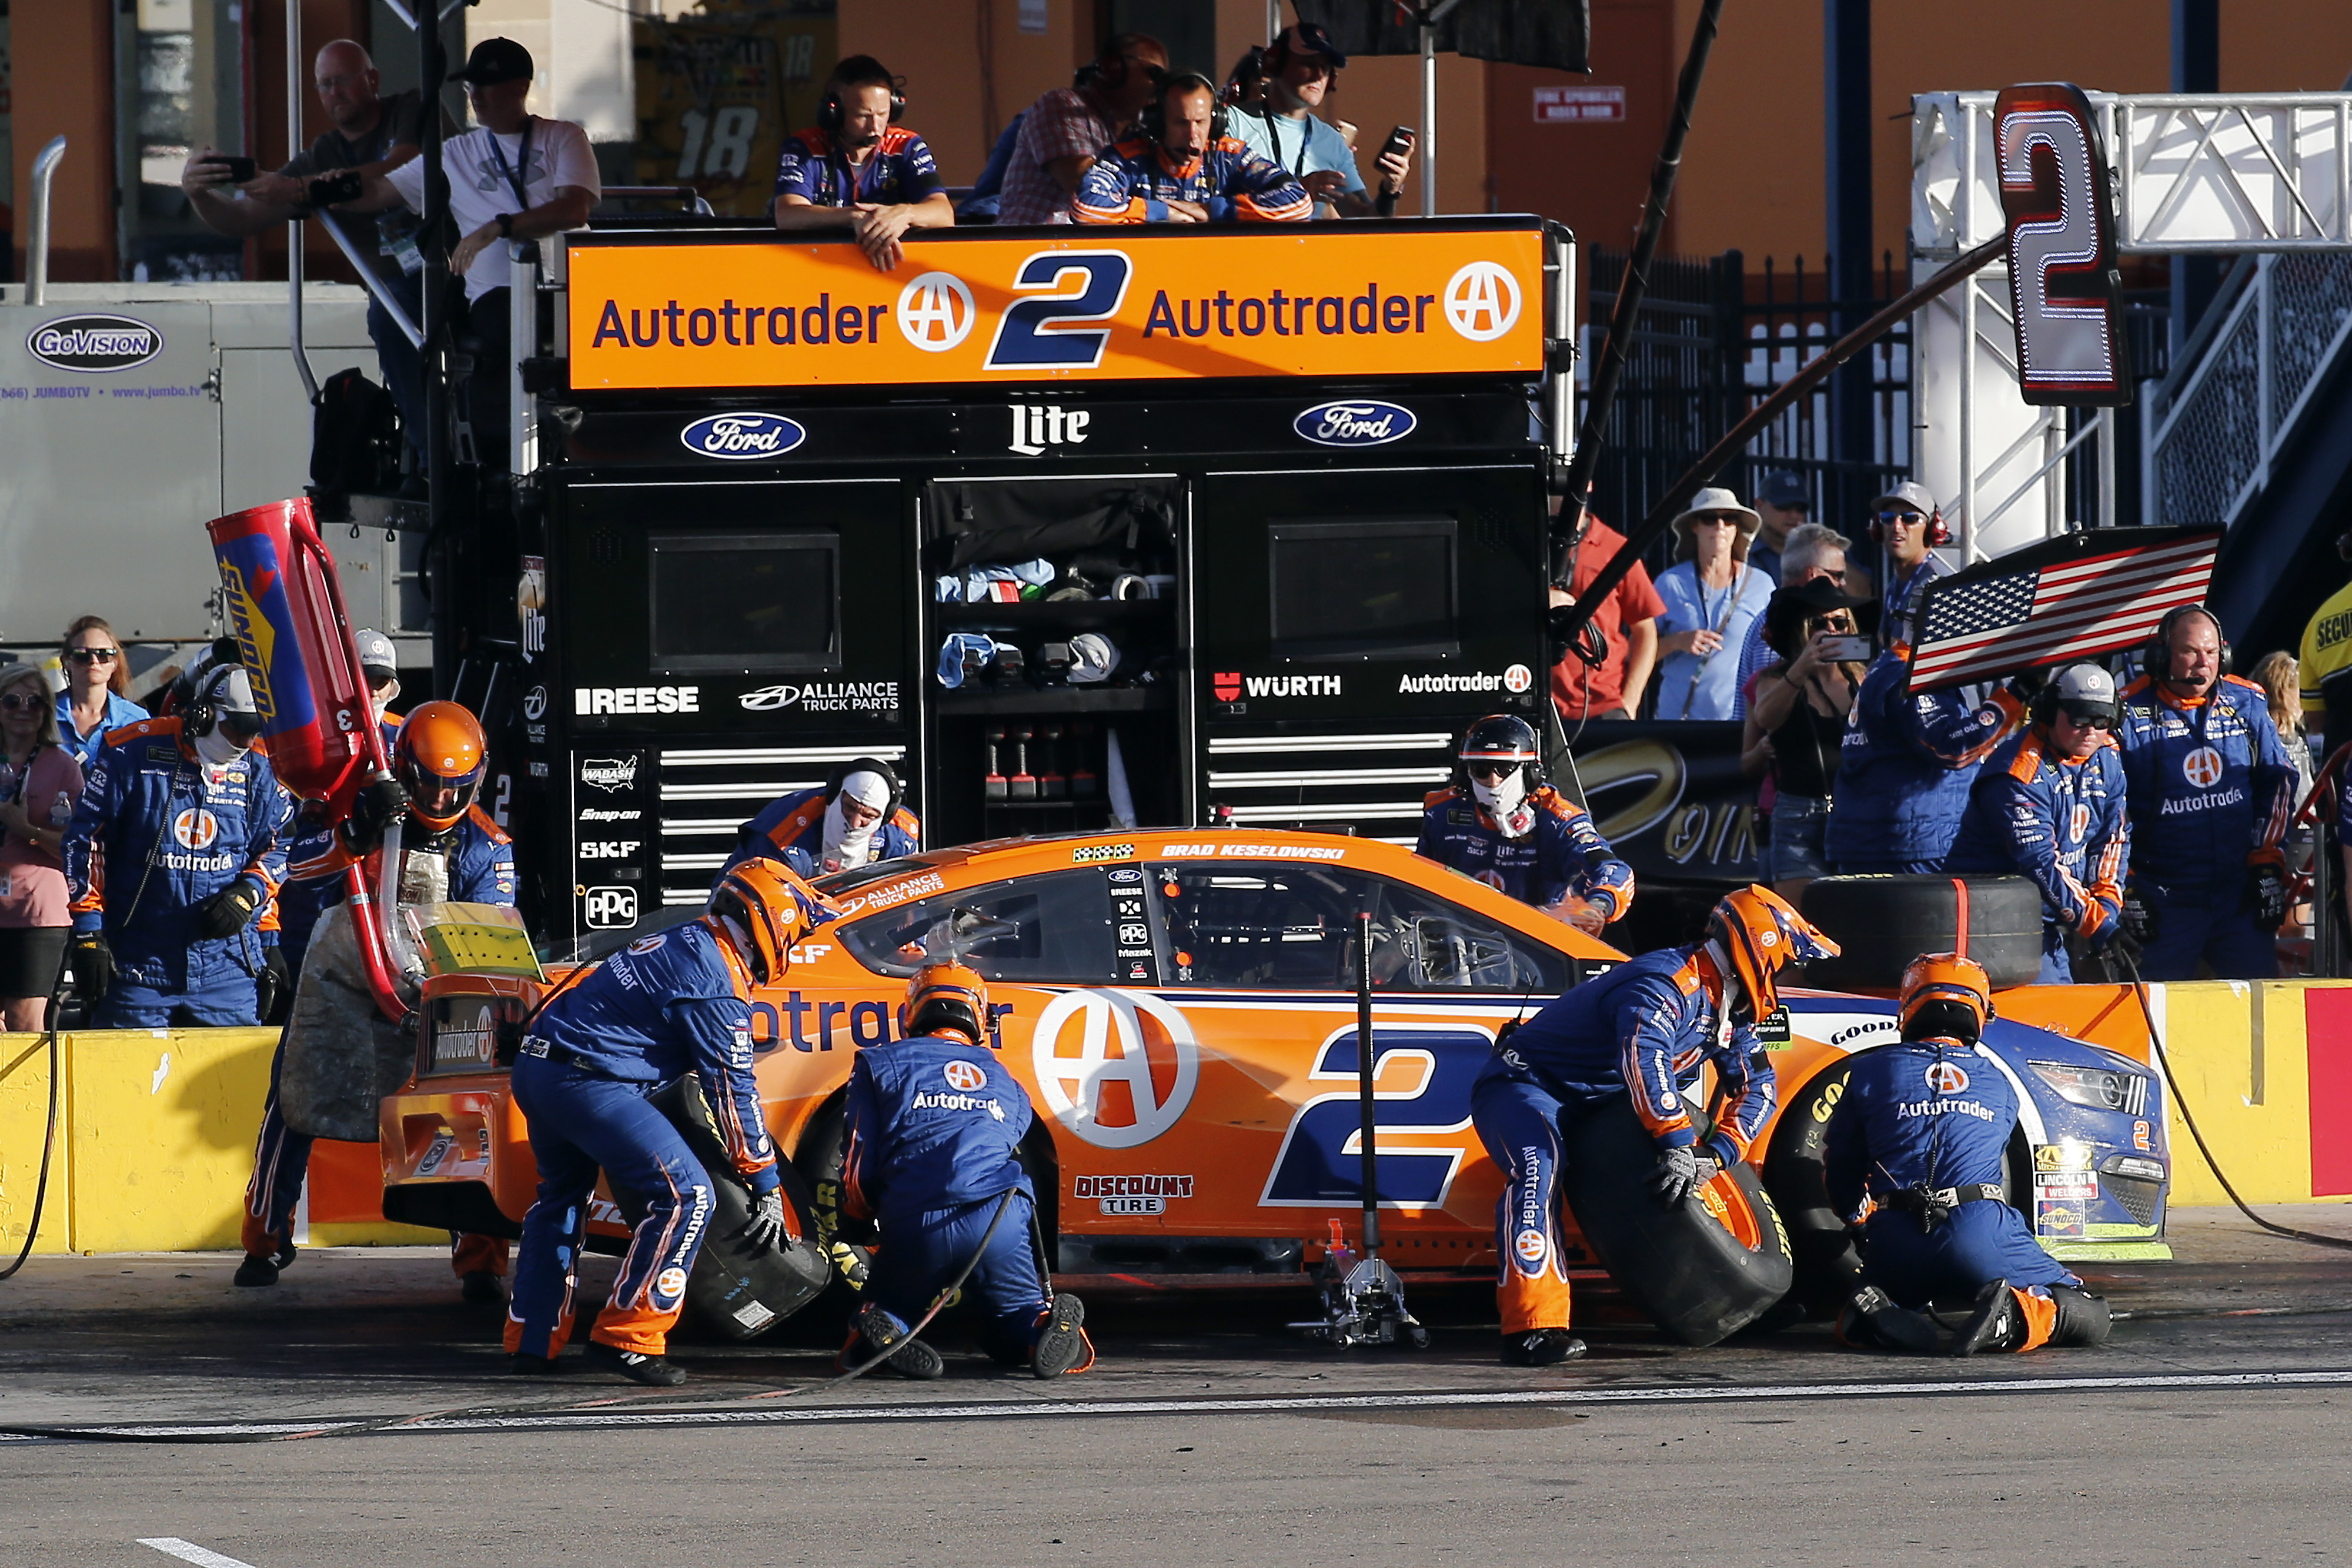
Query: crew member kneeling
x,y
854,819
1920,1131
929,1155
675,1003
1645,1027
1499,822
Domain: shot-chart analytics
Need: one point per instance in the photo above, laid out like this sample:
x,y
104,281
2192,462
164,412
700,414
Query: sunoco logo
x,y
739,436
1365,422
94,344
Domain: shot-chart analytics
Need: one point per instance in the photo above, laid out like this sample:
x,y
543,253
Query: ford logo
x,y
1360,421
94,344
736,436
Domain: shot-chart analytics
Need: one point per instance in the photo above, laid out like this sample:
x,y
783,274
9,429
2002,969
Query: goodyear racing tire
x,y
1885,922
1828,1265
1702,1268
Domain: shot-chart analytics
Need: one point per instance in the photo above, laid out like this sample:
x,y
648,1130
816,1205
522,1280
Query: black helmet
x,y
1500,737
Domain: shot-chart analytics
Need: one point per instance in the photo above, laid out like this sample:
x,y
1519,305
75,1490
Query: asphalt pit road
x,y
1489,1419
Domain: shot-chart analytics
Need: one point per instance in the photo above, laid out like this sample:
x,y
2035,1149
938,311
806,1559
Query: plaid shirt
x,y
1063,123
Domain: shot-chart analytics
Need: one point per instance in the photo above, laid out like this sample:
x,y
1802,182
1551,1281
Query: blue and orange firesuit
x,y
2060,820
1563,854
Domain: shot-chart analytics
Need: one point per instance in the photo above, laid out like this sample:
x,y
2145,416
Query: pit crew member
x,y
2211,791
856,819
173,858
450,852
301,903
857,170
2050,804
1645,1028
1906,764
928,1153
1919,1132
675,1003
1184,168
1499,822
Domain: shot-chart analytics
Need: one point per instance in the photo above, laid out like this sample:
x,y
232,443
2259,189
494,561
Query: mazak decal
x,y
1359,422
1131,1038
739,437
94,345
823,697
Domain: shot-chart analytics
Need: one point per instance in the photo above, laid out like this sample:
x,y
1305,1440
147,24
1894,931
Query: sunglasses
x,y
2087,720
93,656
16,701
1491,771
1893,519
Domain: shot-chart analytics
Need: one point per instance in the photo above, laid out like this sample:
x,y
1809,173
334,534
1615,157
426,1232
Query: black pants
x,y
487,389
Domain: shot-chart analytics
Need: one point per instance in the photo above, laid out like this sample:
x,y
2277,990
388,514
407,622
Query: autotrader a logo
x,y
1117,1068
93,345
936,312
1482,301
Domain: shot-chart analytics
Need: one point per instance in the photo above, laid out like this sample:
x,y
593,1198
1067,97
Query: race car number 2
x,y
1320,1162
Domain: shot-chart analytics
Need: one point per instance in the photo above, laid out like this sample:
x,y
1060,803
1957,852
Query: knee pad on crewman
x,y
2081,1318
2021,1318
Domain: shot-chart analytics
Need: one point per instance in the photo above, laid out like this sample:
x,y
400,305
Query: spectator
x,y
1782,506
858,169
97,697
1794,721
1905,766
515,176
40,784
1810,552
2280,675
374,135
1067,130
1301,69
2327,664
1627,623
1711,598
1906,523
979,208
1184,168
1246,83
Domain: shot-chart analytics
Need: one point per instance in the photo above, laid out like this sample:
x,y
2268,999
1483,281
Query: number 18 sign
x,y
2062,281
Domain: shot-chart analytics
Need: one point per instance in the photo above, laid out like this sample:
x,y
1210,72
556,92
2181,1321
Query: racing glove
x,y
274,987
226,912
765,1228
93,964
377,807
2139,919
2266,895
1681,1171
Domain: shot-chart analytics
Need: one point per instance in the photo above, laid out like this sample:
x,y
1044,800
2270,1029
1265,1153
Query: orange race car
x,y
1181,1006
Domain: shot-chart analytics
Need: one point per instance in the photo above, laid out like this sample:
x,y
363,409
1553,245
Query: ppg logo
x,y
740,436
1360,421
611,908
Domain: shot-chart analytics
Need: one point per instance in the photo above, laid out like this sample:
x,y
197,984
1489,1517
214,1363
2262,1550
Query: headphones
x,y
840,775
828,108
204,711
1153,121
1939,532
2156,656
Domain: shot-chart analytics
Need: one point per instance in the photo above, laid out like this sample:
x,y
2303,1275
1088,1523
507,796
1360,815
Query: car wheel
x,y
1826,1263
1703,1269
735,1291
817,1160
1885,922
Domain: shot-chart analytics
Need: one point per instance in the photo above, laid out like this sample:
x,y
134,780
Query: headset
x,y
871,74
204,710
2156,656
840,775
1153,121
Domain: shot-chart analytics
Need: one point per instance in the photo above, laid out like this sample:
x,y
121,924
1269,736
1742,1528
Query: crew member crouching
x,y
854,819
1919,1131
675,1003
929,1155
1500,823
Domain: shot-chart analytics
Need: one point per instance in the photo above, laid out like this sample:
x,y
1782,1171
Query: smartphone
x,y
1847,649
240,170
1400,140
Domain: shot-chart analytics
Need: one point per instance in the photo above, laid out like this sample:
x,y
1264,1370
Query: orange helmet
x,y
946,998
439,758
773,907
1944,996
1756,932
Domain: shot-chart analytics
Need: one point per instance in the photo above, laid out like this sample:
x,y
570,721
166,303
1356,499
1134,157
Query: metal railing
x,y
36,238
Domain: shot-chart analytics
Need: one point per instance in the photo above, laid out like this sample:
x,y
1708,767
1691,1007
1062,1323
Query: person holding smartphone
x,y
1796,718
1301,69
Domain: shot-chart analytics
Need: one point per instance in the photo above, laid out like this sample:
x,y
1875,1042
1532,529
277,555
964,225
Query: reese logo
x,y
593,700
1364,422
611,908
1037,428
736,437
93,345
609,774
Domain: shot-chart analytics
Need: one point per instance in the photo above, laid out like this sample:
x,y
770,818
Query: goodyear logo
x,y
263,620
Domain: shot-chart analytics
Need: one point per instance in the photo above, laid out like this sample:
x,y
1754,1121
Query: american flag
x,y
2076,597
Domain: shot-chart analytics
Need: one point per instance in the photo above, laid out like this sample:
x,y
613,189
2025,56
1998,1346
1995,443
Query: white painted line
x,y
189,1552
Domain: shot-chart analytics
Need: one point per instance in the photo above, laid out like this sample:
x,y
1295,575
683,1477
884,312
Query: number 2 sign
x,y
2062,282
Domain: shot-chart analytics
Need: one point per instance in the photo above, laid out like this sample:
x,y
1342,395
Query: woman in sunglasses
x,y
97,697
40,784
1797,709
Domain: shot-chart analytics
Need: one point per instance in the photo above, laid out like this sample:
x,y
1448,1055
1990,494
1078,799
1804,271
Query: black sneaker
x,y
653,1371
284,1256
1541,1347
878,1330
1872,1319
1062,1339
522,1364
257,1270
1993,1325
480,1288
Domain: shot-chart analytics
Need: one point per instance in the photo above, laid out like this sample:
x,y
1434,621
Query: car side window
x,y
1262,926
1053,928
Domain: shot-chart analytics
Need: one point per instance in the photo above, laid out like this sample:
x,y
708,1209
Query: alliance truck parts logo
x,y
824,696
93,345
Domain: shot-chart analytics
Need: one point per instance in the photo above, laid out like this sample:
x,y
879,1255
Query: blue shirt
x,y
1300,145
1133,182
1904,765
1912,1114
901,170
119,711
932,1124
1690,686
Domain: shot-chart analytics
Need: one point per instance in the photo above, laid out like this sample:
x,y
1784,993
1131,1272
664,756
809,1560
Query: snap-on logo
x,y
93,345
1361,422
738,436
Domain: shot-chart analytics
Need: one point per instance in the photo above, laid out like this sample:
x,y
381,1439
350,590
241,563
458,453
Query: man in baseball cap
x,y
1906,523
1782,502
1302,70
495,60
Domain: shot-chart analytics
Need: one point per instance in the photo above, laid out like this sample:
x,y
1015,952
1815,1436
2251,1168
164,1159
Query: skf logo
x,y
936,312
2202,767
740,436
1482,301
1365,422
965,1076
1038,428
195,828
611,908
1946,1078
609,849
1227,684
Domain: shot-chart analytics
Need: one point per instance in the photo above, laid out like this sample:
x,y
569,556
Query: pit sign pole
x,y
1365,1059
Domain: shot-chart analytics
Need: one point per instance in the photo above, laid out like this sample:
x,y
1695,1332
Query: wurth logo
x,y
1292,685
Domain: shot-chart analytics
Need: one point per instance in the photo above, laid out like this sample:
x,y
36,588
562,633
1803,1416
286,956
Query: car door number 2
x,y
1320,1162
